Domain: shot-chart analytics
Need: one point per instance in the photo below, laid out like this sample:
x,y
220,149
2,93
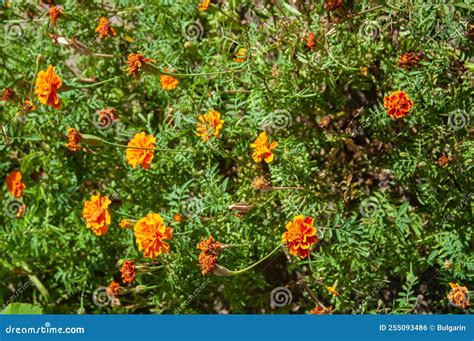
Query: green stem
x,y
161,149
156,70
72,87
238,272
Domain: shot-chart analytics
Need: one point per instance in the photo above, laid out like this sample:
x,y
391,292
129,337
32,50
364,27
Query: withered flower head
x,y
74,139
8,94
135,62
261,183
210,251
318,310
128,271
408,60
331,5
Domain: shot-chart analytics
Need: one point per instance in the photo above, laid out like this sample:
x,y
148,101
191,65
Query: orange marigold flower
x,y
204,5
126,223
8,94
178,218
300,236
168,82
310,42
47,86
263,149
74,139
104,28
331,5
135,62
398,104
113,290
459,296
408,60
443,160
318,310
137,156
54,13
151,233
209,125
210,251
332,290
96,213
14,184
128,271
241,55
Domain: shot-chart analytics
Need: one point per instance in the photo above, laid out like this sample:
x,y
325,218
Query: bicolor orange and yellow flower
x,y
96,214
263,149
398,104
151,233
47,86
300,236
140,150
14,184
209,125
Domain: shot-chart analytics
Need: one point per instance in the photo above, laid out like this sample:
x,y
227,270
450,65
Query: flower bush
x,y
237,147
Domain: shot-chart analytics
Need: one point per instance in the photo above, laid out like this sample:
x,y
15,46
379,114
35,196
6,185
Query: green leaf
x,y
22,309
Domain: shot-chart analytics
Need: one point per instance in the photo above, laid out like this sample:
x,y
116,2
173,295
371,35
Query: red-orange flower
x,y
398,104
300,236
135,62
47,85
151,233
318,310
113,290
8,94
204,5
408,60
104,28
54,13
137,156
74,139
14,184
128,271
96,213
210,251
168,82
209,125
331,5
310,41
459,296
263,149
